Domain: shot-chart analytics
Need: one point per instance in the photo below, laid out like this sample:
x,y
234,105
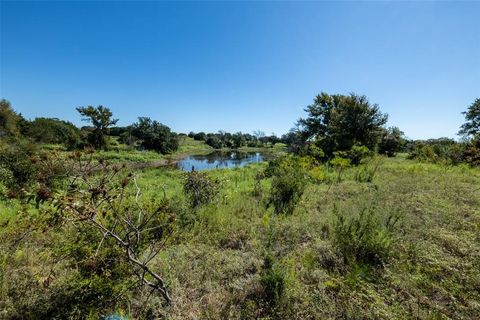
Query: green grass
x,y
214,264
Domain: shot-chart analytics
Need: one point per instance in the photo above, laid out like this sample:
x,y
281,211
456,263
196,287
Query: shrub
x,y
366,172
340,164
471,154
443,150
47,130
199,188
272,280
288,185
363,238
356,154
18,166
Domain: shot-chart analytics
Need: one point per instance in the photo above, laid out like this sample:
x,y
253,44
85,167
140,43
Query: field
x,y
234,258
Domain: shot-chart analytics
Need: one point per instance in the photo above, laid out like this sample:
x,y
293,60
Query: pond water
x,y
218,159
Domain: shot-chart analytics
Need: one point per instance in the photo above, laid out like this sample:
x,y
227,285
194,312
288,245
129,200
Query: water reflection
x,y
217,160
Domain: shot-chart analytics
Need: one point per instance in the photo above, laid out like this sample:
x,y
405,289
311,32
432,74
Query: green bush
x,y
18,166
443,151
356,154
199,188
272,280
471,154
48,130
367,171
288,183
340,164
363,238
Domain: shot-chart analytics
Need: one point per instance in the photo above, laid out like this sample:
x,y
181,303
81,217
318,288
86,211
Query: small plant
x,y
366,173
272,280
200,188
340,164
363,238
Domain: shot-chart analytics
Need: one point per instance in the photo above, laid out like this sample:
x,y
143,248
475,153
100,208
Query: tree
x,y
391,141
101,119
338,122
238,140
472,117
200,136
155,136
51,130
9,120
214,142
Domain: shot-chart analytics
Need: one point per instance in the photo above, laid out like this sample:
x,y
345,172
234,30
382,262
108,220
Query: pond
x,y
218,160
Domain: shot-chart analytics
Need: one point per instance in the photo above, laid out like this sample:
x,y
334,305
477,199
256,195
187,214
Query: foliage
x,y
106,203
339,122
340,164
363,238
25,171
471,127
367,172
9,120
391,141
272,280
356,154
48,130
155,136
200,136
215,268
101,119
288,183
199,188
443,150
471,154
223,139
312,150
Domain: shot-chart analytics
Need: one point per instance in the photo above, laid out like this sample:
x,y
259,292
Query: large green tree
x,y
155,136
339,122
101,119
471,127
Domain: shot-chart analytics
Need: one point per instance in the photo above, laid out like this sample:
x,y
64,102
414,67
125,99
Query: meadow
x,y
418,225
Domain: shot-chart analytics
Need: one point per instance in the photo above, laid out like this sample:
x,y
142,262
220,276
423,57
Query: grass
x,y
225,257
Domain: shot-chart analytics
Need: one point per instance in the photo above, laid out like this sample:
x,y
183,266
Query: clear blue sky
x,y
241,65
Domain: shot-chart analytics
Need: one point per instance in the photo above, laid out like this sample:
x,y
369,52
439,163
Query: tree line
x,y
335,125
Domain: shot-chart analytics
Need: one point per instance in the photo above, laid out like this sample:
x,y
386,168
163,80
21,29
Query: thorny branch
x,y
95,196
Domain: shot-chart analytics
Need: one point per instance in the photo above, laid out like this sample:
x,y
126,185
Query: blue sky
x,y
241,66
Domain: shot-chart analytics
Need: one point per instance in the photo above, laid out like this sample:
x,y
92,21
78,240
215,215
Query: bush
x,y
288,184
18,166
272,280
471,153
24,171
340,164
442,150
366,172
356,154
363,238
48,130
199,188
